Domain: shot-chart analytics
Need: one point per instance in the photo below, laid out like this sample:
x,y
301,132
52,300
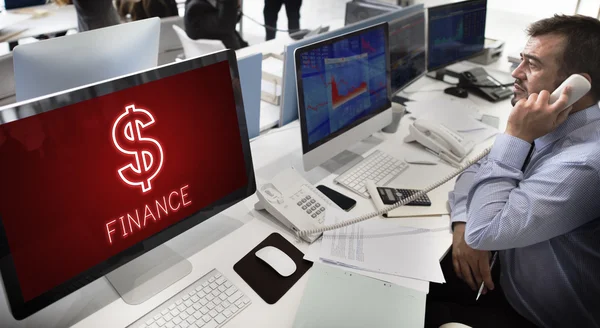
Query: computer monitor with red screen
x,y
97,176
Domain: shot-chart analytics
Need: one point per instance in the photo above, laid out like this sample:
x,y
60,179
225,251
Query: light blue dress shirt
x,y
545,221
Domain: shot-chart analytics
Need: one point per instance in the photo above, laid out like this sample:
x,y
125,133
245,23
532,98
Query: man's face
x,y
539,67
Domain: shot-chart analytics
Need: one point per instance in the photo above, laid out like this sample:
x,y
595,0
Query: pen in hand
x,y
482,283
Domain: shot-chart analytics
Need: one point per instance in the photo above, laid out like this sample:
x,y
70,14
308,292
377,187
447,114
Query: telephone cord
x,y
402,202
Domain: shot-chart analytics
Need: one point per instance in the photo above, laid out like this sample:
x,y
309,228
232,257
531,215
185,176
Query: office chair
x,y
7,80
195,48
169,45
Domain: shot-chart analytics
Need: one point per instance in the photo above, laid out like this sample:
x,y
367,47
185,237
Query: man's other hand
x,y
470,265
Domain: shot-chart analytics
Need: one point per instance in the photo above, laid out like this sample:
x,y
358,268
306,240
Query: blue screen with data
x,y
456,32
343,82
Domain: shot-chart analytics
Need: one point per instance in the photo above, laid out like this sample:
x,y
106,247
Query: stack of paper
x,y
394,250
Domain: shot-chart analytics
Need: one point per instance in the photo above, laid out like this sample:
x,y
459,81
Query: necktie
x,y
528,158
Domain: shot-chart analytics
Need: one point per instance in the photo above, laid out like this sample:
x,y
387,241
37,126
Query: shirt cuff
x,y
460,217
510,150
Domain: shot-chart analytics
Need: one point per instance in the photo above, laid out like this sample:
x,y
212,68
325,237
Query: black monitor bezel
x,y
21,309
306,147
424,72
455,4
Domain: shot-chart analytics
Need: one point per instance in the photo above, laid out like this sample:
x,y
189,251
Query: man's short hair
x,y
582,44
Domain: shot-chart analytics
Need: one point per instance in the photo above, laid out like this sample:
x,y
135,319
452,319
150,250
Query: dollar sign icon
x,y
128,138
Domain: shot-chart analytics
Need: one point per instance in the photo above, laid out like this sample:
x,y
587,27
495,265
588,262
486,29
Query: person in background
x,y
271,11
215,20
141,9
93,14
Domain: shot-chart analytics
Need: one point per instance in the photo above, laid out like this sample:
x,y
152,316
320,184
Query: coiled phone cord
x,y
403,202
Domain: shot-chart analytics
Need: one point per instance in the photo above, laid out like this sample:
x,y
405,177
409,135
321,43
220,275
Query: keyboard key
x,y
197,306
190,311
179,302
206,318
212,279
219,308
188,303
228,284
234,297
210,305
233,308
212,313
175,312
216,292
218,300
223,296
181,308
210,297
204,310
204,284
220,281
183,315
207,290
156,317
150,321
161,322
154,325
184,324
201,294
199,288
203,301
239,303
227,313
164,312
192,293
222,288
199,315
191,320
170,325
195,298
213,285
211,324
186,297
220,318
177,320
168,316
226,304
246,300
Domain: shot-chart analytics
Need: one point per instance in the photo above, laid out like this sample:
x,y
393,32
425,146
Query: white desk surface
x,y
59,19
98,305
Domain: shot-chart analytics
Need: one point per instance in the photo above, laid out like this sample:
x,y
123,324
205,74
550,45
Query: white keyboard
x,y
379,167
209,302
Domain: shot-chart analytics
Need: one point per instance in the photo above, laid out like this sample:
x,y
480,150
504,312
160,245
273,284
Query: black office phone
x,y
478,81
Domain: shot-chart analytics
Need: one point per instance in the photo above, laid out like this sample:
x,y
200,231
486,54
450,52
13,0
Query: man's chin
x,y
516,97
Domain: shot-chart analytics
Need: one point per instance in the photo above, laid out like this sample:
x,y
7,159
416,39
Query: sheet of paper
x,y
312,254
384,247
273,66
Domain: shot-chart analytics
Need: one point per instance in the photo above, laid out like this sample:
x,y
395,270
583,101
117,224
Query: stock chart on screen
x,y
407,50
456,32
343,82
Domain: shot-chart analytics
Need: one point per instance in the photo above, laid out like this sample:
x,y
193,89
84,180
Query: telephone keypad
x,y
309,204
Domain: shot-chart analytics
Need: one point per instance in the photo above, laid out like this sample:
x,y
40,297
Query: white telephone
x,y
284,196
294,202
444,142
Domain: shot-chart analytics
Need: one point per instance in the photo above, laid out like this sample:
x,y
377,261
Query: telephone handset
x,y
295,202
579,87
446,143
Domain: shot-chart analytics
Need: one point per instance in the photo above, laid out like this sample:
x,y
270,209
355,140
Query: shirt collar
x,y
573,122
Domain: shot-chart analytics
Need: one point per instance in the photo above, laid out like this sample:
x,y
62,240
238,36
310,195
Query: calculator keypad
x,y
391,196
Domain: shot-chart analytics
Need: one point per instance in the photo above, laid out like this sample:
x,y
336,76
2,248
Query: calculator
x,y
391,196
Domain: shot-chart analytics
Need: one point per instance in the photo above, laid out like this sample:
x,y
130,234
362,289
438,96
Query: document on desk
x,y
382,246
313,253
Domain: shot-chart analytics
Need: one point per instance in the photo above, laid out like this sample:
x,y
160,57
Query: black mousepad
x,y
265,281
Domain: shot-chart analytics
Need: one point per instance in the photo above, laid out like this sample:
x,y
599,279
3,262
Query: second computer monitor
x,y
71,61
407,50
456,32
343,91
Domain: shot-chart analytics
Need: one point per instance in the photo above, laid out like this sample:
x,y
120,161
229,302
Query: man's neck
x,y
582,104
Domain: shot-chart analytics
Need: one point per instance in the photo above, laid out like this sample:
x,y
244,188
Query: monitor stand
x,y
147,275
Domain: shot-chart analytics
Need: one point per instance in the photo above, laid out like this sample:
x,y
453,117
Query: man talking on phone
x,y
535,198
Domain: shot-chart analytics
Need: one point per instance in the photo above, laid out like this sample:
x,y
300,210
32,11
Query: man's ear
x,y
587,77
